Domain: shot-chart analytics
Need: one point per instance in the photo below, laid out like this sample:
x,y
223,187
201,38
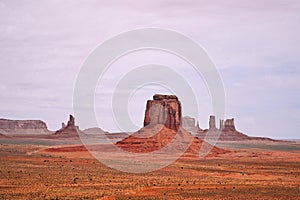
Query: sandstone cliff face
x,y
165,110
23,127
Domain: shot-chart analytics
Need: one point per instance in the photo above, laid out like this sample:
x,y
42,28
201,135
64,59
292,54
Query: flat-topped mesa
x,y
163,109
229,125
8,126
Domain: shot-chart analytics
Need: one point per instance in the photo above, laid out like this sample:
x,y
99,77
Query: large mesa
x,y
8,127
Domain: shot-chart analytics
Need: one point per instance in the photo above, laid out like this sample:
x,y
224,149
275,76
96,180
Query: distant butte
x,y
18,127
68,131
189,124
225,132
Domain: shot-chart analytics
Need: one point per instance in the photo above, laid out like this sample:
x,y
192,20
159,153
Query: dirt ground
x,y
30,171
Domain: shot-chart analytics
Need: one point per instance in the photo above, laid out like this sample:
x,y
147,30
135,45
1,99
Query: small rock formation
x,y
8,126
212,122
69,130
221,124
163,109
63,125
71,121
188,123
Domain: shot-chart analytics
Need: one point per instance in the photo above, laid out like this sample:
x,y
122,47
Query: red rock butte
x,y
162,123
69,130
163,109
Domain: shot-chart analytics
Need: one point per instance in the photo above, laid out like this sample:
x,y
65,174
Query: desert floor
x,y
67,171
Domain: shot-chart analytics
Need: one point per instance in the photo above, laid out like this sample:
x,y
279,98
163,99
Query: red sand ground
x,y
70,172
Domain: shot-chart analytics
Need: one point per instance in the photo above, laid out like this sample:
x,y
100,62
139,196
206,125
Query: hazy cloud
x,y
255,44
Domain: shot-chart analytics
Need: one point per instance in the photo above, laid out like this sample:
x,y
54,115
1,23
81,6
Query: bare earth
x,y
247,171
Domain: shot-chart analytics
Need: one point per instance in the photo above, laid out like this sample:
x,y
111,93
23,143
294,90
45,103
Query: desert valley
x,y
40,164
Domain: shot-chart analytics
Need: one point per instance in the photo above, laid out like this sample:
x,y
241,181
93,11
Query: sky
x,y
254,44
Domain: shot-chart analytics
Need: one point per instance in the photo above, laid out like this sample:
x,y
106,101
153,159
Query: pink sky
x,y
254,44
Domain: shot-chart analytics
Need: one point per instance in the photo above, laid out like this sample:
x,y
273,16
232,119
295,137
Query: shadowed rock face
x,y
23,127
165,110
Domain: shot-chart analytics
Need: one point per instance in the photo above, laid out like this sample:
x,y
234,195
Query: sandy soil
x,y
70,172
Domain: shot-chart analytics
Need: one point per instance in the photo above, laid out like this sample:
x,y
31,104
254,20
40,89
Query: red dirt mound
x,y
149,139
